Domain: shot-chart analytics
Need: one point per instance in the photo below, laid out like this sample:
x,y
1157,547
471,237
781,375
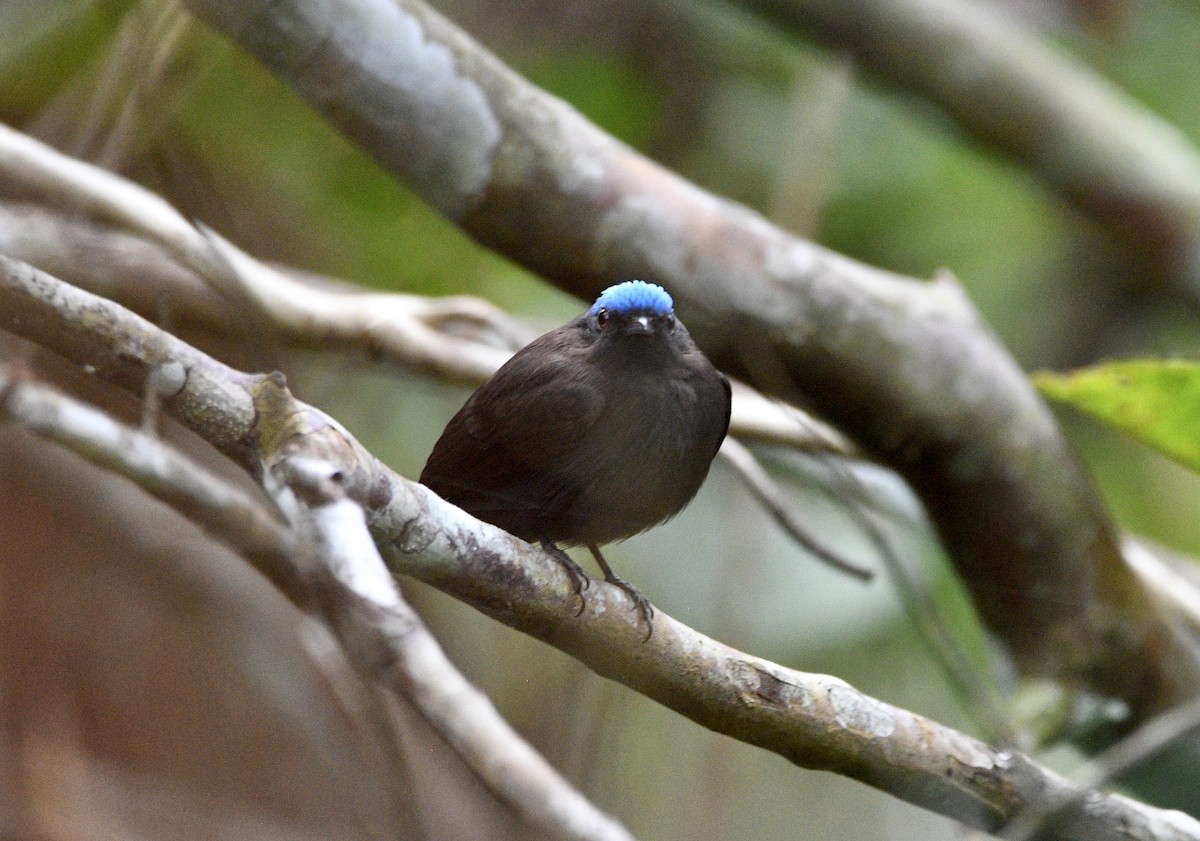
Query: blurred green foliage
x,y
609,92
48,44
1157,60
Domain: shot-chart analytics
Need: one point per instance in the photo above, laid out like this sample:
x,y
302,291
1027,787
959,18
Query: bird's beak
x,y
640,326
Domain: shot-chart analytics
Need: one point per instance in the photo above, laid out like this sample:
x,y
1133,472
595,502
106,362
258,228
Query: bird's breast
x,y
645,459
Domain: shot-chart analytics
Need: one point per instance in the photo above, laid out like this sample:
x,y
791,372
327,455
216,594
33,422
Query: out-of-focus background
x,y
154,687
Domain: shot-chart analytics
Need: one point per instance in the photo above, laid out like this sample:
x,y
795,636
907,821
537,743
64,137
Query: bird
x,y
594,432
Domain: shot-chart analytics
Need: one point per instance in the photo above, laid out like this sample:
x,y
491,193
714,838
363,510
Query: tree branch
x,y
325,561
1057,118
200,273
904,367
813,720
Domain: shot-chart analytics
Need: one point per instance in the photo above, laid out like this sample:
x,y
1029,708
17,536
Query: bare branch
x,y
1123,756
391,643
73,184
110,262
250,524
407,330
325,560
904,367
123,348
813,720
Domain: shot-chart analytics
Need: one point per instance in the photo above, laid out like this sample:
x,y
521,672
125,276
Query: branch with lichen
x,y
815,721
904,367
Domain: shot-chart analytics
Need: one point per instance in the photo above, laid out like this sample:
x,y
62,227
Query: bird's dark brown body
x,y
590,434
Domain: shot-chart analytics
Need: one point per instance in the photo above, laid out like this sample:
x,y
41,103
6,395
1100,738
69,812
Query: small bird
x,y
590,434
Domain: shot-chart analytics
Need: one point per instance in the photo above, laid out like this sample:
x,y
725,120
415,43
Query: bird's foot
x,y
640,603
575,572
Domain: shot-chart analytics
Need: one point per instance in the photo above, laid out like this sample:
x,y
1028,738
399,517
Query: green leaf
x,y
1155,401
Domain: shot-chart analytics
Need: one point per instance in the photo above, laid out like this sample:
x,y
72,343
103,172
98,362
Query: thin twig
x,y
763,488
1155,735
944,648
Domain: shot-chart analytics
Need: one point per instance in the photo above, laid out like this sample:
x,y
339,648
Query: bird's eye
x,y
602,317
669,322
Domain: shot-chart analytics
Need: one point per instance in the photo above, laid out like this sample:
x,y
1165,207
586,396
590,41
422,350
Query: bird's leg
x,y
640,602
574,571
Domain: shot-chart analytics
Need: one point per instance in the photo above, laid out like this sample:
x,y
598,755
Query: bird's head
x,y
633,308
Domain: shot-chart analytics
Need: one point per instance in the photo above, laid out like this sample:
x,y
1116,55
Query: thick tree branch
x,y
813,720
905,367
1056,117
96,333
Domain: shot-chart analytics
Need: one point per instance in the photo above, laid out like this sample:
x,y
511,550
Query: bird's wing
x,y
728,412
540,412
526,419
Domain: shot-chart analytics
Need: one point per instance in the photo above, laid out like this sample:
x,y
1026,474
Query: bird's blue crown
x,y
634,296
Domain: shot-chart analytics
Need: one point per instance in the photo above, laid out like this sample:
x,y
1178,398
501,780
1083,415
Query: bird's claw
x,y
575,572
580,578
640,603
